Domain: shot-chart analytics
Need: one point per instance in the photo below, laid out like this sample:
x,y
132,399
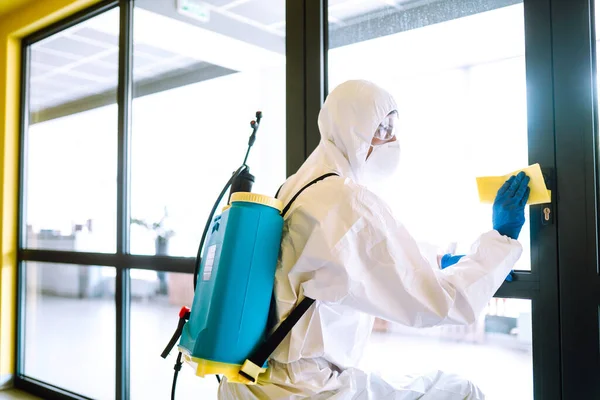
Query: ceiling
x,y
262,22
82,61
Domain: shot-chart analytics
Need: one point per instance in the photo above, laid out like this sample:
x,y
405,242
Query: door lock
x,y
547,214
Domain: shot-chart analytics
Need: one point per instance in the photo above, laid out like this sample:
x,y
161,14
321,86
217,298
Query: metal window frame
x,y
305,77
544,239
575,102
123,279
47,391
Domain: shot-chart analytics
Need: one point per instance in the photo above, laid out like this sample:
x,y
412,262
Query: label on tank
x,y
210,260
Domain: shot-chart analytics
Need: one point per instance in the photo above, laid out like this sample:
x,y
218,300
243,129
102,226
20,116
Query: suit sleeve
x,y
360,256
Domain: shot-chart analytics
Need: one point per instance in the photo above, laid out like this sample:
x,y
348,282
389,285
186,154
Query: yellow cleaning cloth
x,y
488,186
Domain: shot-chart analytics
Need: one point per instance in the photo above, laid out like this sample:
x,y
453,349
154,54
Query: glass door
x,y
471,99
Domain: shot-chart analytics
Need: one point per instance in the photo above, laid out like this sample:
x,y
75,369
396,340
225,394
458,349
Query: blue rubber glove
x,y
509,207
449,260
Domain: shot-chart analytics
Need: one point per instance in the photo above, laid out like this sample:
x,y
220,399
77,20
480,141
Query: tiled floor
x,y
16,395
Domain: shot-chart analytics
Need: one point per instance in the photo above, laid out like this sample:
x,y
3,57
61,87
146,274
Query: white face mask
x,y
382,163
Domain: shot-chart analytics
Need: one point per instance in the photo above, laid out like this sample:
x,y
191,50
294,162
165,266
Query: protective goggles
x,y
386,130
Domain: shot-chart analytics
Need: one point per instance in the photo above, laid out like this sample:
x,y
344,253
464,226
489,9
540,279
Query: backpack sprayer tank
x,y
225,332
228,319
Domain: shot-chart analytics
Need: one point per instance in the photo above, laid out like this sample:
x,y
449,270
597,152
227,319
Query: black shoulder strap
x,y
279,190
309,184
262,353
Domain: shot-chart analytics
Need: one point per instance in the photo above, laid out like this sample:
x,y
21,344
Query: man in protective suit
x,y
342,247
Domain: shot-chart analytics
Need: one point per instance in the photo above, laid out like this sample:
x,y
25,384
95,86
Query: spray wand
x,y
241,181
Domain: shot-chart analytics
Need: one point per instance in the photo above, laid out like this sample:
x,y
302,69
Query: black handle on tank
x,y
242,183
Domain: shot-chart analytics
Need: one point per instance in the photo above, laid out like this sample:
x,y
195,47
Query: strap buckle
x,y
250,372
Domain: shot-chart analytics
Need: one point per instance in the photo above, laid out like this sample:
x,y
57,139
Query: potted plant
x,y
162,234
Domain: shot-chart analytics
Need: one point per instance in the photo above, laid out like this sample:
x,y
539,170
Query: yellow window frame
x,y
14,26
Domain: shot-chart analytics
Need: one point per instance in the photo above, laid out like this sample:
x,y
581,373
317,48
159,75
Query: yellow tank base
x,y
206,367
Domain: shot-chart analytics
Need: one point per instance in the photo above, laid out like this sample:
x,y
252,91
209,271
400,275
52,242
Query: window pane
x,y
198,85
461,91
70,327
457,71
490,353
71,154
154,317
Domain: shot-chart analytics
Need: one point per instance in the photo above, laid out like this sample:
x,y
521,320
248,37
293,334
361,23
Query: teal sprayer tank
x,y
228,318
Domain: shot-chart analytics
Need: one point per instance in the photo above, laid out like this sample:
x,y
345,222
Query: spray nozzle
x,y
254,124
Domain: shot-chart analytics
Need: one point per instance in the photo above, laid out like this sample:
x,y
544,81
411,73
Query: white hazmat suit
x,y
342,247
